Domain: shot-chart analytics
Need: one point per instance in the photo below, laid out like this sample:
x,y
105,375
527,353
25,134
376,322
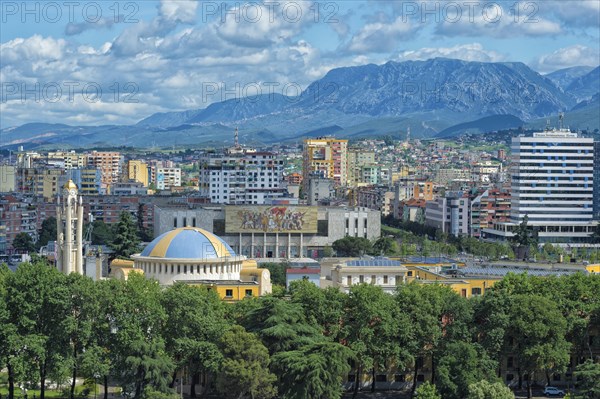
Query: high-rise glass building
x,y
553,184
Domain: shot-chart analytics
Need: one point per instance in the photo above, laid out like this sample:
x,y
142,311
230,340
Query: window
x,y
361,279
175,222
178,269
475,291
194,222
381,378
410,273
399,378
185,269
385,279
373,279
398,280
184,222
228,293
248,292
349,280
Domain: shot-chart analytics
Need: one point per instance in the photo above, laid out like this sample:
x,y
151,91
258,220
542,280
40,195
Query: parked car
x,y
553,391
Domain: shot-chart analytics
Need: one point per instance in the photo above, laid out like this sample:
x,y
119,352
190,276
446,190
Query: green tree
x,y
427,391
10,341
245,368
280,325
23,243
136,320
373,330
37,300
460,365
588,376
126,242
102,233
352,246
195,321
487,390
536,335
83,310
47,232
322,307
524,237
314,371
385,246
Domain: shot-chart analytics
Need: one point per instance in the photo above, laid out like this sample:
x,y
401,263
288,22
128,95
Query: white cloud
x,y
466,52
566,57
498,20
179,10
379,37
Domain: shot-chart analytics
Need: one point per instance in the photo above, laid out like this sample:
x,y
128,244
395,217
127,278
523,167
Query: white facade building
x,y
167,178
241,178
552,183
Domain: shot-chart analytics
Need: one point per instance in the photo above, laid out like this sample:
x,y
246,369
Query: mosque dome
x,y
188,243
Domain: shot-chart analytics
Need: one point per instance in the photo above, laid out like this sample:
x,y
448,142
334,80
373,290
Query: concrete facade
x,y
334,223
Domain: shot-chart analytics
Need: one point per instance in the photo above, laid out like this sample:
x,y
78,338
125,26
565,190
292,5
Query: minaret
x,y
69,240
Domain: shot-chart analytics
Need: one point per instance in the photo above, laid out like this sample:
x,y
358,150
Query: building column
x,y
68,246
79,235
289,247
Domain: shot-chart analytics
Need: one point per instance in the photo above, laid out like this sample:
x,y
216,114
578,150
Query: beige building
x,y
8,178
70,159
109,163
138,171
357,158
327,156
346,272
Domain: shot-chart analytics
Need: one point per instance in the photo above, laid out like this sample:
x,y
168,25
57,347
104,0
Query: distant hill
x,y
564,77
431,97
584,87
483,125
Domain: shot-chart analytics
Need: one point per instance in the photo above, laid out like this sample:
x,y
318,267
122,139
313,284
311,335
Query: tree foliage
x,y
126,241
23,243
352,246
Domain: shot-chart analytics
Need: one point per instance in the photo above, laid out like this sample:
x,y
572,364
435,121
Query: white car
x,y
553,391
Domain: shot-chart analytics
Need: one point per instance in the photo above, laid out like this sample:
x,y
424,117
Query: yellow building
x,y
138,171
198,257
327,156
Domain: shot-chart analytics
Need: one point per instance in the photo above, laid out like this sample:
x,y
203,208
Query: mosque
x,y
195,256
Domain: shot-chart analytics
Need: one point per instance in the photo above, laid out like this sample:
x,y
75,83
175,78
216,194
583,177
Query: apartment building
x,y
241,178
328,156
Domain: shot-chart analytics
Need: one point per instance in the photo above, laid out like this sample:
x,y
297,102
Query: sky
x,y
117,62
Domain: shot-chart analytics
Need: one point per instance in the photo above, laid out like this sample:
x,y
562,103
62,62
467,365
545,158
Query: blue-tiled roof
x,y
188,243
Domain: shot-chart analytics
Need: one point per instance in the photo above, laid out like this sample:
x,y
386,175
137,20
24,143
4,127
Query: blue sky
x,y
116,62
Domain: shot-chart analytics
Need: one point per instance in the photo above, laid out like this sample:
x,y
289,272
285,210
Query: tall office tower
x,y
553,184
597,180
326,155
69,230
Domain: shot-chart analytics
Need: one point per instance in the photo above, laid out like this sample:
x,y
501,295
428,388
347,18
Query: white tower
x,y
69,231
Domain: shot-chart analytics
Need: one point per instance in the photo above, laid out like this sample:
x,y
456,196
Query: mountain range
x,y
437,97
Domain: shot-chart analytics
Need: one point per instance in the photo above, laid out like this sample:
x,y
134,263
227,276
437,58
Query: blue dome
x,y
188,243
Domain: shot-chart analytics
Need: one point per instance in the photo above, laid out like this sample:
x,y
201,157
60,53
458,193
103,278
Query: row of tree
x,y
298,346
